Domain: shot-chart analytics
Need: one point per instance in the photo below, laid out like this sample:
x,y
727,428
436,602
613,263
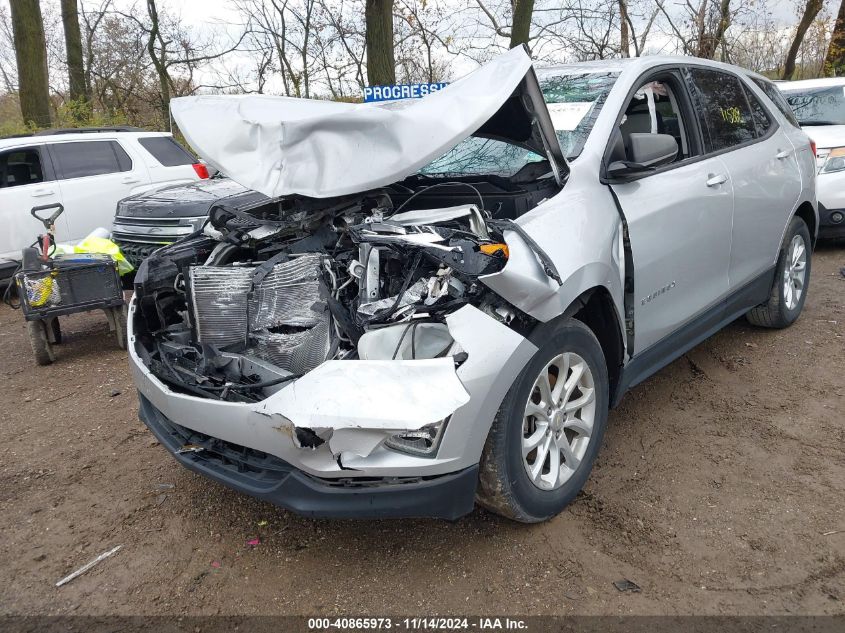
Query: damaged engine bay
x,y
262,295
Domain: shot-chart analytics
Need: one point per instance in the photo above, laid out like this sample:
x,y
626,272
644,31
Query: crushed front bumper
x,y
269,478
361,403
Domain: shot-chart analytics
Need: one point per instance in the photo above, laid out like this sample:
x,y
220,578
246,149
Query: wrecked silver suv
x,y
435,306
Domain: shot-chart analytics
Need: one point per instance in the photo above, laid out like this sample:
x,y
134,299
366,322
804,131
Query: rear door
x,y
26,181
93,176
679,217
762,164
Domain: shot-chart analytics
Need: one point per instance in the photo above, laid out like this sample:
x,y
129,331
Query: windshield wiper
x,y
814,122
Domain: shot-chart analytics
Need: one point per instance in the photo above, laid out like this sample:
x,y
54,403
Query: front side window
x,y
723,109
20,167
90,158
574,102
655,108
817,106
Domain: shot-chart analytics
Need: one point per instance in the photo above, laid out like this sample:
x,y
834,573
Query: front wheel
x,y
547,432
792,280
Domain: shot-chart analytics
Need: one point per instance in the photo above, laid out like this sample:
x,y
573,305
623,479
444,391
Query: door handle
x,y
40,193
783,154
716,179
129,180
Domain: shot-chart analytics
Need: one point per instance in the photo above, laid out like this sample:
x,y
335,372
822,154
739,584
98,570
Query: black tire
x,y
40,345
120,325
504,485
775,313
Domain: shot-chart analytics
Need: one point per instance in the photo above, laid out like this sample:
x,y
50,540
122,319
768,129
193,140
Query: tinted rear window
x,y
775,95
166,151
90,158
724,110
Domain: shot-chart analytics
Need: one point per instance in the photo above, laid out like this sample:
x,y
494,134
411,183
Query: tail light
x,y
202,170
812,147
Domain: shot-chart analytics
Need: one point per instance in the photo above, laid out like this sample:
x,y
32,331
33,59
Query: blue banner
x,y
402,91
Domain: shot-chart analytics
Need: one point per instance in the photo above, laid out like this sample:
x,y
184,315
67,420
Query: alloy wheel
x,y
558,421
794,272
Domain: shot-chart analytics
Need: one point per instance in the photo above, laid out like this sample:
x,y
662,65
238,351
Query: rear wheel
x,y
40,344
549,428
792,278
120,325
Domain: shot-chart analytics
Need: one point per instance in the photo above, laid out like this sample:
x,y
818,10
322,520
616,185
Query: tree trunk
x,y
31,56
521,29
834,61
624,38
381,66
811,10
73,47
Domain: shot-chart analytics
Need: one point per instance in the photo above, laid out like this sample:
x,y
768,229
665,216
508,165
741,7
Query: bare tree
x,y
424,41
175,54
699,28
31,56
811,10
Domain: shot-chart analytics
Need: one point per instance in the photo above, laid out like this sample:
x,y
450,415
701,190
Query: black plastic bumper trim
x,y
448,496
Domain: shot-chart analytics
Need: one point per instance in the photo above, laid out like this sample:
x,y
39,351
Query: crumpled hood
x,y
282,146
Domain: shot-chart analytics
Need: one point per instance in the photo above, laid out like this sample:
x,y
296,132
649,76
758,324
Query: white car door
x,y
26,181
762,164
93,175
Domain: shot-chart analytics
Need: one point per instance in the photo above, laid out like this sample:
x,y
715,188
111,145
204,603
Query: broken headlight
x,y
421,443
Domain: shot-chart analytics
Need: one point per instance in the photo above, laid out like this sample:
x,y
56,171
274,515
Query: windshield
x,y
476,156
818,106
574,103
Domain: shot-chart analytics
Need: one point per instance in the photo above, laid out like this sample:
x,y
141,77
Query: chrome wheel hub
x,y
558,421
795,272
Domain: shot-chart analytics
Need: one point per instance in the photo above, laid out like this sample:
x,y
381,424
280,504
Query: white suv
x,y
819,107
87,170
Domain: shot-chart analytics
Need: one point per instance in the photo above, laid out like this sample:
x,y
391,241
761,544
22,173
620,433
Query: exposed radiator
x,y
287,299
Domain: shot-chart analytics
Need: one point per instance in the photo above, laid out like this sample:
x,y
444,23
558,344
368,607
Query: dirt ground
x,y
720,490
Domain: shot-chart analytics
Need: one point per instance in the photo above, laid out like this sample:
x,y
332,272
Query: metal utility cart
x,y
52,286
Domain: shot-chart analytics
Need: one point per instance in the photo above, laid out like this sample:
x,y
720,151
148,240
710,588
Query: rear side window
x,y
761,118
777,98
89,158
166,151
20,166
724,110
